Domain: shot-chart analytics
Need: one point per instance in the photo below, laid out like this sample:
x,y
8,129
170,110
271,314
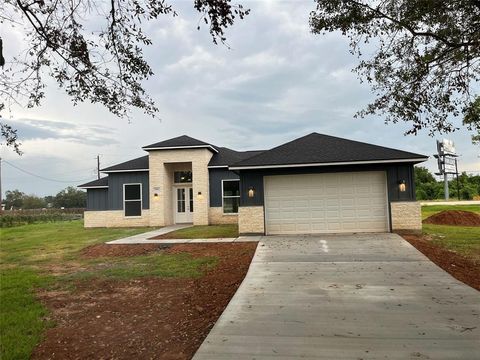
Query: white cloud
x,y
277,82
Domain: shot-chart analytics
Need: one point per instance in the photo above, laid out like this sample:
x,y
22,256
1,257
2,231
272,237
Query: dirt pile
x,y
454,217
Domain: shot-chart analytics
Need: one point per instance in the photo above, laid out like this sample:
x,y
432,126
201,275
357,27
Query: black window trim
x,y
141,201
235,196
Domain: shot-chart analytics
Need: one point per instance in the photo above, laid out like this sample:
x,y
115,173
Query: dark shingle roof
x,y
318,148
226,156
140,163
183,141
96,183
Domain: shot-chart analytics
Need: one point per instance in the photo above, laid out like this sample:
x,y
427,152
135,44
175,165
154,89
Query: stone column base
x,y
251,220
406,216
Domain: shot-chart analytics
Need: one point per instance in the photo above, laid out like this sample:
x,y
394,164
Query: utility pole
x,y
98,166
0,183
458,185
445,186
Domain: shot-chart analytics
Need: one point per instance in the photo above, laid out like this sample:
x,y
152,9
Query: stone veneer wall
x,y
161,209
114,218
251,220
406,216
216,216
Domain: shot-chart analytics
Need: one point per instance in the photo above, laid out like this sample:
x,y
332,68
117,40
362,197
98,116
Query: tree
x,y
472,118
49,199
423,176
103,66
70,198
13,199
33,202
426,56
426,187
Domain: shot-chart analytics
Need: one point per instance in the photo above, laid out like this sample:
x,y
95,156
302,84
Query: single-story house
x,y
314,184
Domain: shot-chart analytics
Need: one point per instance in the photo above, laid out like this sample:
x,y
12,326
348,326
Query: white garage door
x,y
326,203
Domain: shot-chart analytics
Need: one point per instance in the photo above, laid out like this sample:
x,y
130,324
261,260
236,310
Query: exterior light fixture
x,y
402,186
251,192
155,196
199,195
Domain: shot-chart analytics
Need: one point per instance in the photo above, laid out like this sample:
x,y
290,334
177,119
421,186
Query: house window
x,y
230,196
132,199
180,177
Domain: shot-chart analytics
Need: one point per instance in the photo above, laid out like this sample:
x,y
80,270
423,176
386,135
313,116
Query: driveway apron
x,y
368,296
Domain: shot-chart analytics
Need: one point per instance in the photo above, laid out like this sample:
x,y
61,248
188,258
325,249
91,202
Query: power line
x,y
40,176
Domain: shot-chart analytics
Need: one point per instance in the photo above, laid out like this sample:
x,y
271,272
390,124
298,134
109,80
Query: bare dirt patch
x,y
460,267
454,217
147,318
107,250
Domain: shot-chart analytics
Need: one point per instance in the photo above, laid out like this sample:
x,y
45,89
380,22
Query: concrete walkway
x,y
144,238
370,296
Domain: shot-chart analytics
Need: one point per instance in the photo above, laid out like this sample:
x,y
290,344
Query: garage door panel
x,y
326,203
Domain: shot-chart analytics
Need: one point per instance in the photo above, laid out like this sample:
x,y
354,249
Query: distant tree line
x,y
428,188
67,198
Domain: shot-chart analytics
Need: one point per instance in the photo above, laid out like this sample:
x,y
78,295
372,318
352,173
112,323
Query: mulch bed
x,y
454,217
149,318
460,267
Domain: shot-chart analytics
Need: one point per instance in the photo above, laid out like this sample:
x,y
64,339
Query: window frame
x,y
141,201
229,197
182,183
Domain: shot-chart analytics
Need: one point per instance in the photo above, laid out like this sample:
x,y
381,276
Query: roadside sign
x,y
448,147
449,165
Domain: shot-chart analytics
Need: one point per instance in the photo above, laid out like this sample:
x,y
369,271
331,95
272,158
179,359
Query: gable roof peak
x,y
322,149
180,142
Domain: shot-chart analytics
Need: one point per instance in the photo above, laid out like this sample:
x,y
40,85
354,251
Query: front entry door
x,y
183,205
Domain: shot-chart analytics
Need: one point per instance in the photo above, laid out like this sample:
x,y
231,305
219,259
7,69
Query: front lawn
x,y
456,249
462,240
203,232
48,256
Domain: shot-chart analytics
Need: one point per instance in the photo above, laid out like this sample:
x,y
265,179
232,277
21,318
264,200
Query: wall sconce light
x,y
402,186
199,195
155,196
251,192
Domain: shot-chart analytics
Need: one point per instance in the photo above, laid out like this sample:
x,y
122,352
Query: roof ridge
x,y
324,148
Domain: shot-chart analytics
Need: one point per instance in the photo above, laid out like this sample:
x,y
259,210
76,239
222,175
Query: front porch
x,y
179,187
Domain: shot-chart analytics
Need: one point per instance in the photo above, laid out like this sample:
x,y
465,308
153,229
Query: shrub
x,y
22,217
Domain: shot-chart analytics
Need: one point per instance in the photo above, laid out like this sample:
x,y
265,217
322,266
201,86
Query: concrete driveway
x,y
370,296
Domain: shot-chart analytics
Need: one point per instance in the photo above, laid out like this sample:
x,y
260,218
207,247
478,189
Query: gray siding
x,y
215,178
97,199
395,173
115,188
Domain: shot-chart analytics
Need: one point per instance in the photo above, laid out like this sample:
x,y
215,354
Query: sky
x,y
276,82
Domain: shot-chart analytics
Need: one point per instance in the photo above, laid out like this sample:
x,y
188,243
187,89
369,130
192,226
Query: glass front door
x,y
183,205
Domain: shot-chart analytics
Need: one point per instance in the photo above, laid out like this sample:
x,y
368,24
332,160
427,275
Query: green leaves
x,y
102,64
425,60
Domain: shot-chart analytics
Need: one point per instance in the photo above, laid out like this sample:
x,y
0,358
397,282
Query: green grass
x,y
21,323
205,232
153,265
28,254
429,210
461,239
